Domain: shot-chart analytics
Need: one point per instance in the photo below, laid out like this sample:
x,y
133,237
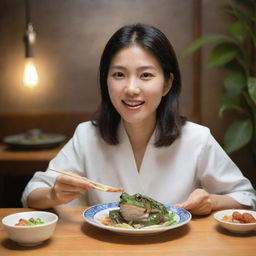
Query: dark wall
x,y
71,35
70,38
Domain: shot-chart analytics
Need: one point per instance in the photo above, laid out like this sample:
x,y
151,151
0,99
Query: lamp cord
x,y
27,12
30,35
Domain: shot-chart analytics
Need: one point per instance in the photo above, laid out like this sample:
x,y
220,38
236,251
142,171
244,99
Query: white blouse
x,y
167,174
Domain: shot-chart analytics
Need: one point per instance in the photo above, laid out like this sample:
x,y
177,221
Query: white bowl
x,y
30,235
235,227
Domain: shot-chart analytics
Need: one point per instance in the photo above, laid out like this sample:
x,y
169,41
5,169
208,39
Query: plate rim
x,y
15,139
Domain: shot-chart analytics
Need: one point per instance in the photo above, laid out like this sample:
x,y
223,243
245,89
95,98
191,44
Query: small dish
x,y
30,235
235,227
94,214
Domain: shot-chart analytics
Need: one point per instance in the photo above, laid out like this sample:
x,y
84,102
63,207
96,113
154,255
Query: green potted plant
x,y
236,51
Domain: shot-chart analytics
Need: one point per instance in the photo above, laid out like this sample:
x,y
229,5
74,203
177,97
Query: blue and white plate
x,y
94,214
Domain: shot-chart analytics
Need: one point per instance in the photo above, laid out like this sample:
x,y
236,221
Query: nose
x,y
132,87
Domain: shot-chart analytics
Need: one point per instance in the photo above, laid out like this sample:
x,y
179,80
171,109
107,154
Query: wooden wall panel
x,y
70,38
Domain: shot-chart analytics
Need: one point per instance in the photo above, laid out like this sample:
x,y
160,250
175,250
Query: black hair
x,y
168,120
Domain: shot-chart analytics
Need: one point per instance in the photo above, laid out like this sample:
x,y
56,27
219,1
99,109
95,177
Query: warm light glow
x,y
30,78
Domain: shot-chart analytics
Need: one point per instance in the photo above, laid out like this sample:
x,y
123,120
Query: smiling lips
x,y
133,104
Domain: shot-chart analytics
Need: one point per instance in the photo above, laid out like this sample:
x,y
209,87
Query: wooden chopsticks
x,y
96,185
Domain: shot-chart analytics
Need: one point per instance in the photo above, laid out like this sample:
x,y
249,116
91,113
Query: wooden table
x,y
200,237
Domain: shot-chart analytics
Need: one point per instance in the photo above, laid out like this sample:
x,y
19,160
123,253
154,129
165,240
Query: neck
x,y
139,134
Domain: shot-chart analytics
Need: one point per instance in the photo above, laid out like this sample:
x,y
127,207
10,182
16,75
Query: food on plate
x,y
29,222
238,217
34,135
138,211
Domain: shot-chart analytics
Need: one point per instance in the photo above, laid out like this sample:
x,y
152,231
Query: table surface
x,y
73,236
27,155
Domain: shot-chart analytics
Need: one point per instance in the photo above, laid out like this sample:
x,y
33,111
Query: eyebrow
x,y
139,68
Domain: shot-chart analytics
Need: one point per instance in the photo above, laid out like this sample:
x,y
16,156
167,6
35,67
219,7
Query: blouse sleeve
x,y
219,175
70,158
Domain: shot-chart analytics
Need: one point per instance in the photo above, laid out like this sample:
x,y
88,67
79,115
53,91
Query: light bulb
x,y
30,78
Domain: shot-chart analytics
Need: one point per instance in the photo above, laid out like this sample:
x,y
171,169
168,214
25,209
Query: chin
x,y
136,121
137,118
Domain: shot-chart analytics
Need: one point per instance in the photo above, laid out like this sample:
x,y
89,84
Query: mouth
x,y
133,104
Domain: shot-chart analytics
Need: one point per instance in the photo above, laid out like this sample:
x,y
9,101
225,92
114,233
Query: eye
x,y
138,197
146,75
118,75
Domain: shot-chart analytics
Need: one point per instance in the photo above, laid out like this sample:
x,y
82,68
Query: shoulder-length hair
x,y
168,120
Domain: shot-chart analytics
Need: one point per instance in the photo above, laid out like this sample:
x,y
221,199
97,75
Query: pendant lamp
x,y
30,77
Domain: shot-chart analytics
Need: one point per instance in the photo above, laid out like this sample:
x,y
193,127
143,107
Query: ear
x,y
168,84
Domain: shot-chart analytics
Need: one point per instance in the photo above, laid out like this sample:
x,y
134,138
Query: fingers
x,y
68,188
190,203
198,202
193,200
73,182
62,197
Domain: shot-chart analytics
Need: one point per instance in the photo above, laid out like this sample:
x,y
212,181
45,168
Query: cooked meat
x,y
243,218
237,217
248,218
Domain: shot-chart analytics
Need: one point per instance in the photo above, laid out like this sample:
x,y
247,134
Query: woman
x,y
139,141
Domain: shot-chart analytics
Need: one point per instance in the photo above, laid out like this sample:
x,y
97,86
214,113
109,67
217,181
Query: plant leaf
x,y
252,88
236,11
228,103
238,135
244,17
238,30
210,38
222,54
234,83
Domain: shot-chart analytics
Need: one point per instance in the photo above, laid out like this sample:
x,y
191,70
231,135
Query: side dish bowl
x,y
30,235
232,226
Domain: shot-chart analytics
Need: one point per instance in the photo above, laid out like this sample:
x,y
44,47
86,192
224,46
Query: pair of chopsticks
x,y
96,185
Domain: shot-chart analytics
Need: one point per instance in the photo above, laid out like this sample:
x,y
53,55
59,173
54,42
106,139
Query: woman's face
x,y
136,84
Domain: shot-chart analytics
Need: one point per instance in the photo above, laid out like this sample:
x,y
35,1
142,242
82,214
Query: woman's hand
x,y
199,202
64,190
67,188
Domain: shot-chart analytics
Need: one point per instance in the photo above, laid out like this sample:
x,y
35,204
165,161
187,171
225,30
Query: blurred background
x,y
70,36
